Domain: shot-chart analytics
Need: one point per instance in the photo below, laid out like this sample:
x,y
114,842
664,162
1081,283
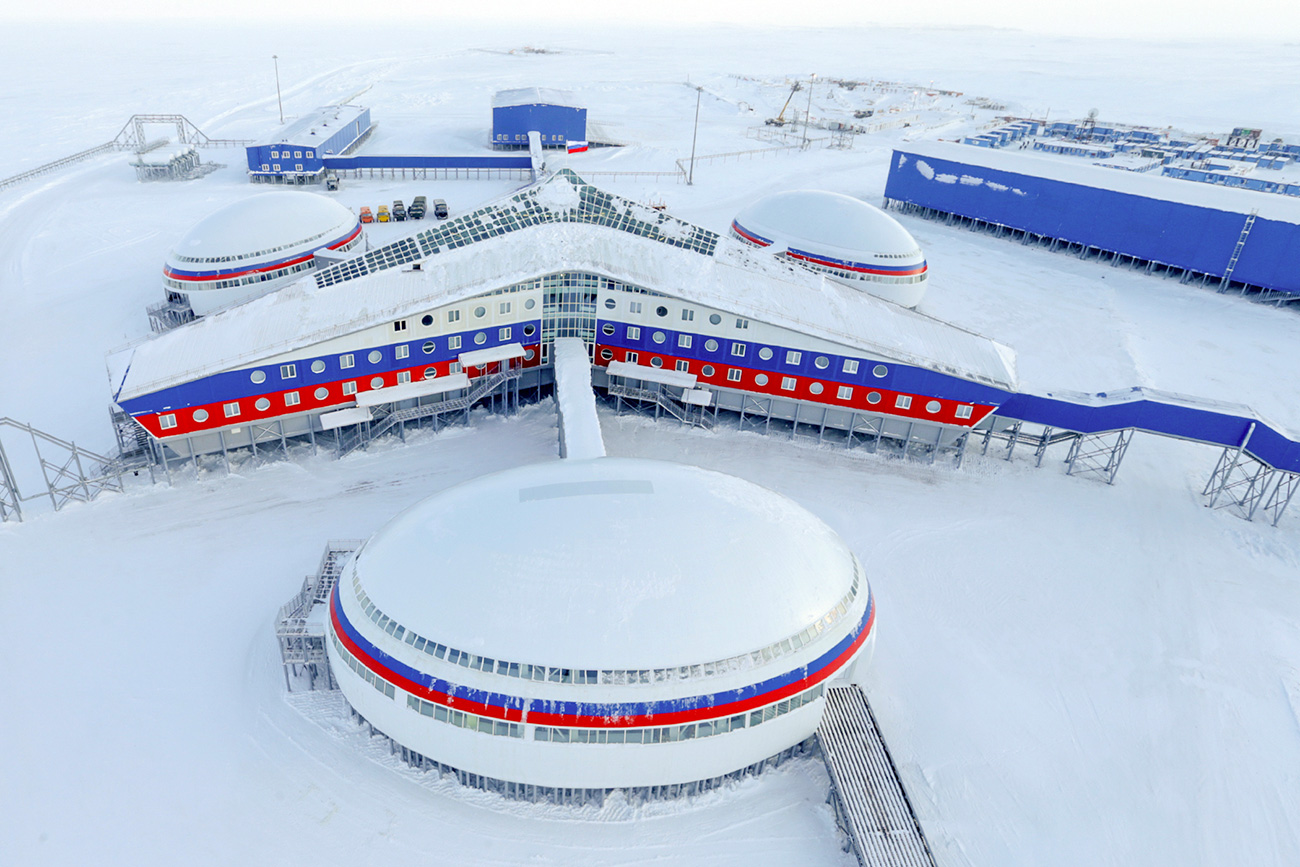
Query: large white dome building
x,y
841,236
596,624
235,252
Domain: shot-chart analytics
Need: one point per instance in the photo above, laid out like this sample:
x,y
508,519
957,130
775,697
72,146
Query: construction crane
x,y
780,120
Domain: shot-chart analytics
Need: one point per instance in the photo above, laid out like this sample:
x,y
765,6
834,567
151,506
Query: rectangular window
x,y
634,306
742,323
787,383
401,351
850,365
793,357
403,376
297,155
399,325
684,366
453,342
231,409
684,341
291,398
297,167
266,167
633,332
453,315
733,374
454,367
688,315
504,307
845,392
632,357
350,387
310,154
503,334
168,421
904,401
288,371
275,166
738,349
964,411
346,361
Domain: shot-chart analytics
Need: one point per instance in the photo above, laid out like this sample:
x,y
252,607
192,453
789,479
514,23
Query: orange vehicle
x,y
366,216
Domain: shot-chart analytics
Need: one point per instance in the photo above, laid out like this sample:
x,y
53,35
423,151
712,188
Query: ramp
x,y
870,803
575,402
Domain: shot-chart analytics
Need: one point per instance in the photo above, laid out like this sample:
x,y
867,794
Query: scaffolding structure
x,y
300,625
70,472
1244,484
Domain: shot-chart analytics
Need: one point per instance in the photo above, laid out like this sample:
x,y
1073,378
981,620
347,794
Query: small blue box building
x,y
554,114
297,155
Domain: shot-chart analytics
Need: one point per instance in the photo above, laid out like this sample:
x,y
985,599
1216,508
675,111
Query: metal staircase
x,y
1236,251
302,642
695,416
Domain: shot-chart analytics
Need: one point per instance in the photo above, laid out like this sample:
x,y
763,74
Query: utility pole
x,y
276,59
690,178
808,112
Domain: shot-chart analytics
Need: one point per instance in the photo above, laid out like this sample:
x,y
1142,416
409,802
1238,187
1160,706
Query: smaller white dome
x,y
841,236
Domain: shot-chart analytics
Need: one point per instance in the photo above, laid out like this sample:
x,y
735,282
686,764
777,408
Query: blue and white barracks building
x,y
555,115
297,154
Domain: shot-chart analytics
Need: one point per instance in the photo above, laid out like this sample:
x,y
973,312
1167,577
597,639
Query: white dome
x,y
841,236
609,563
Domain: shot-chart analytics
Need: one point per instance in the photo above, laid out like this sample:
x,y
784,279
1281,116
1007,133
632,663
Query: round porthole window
x,y
656,362
610,303
374,356
879,370
714,319
607,354
530,330
707,370
873,397
262,404
200,415
318,366
530,304
761,379
529,355
658,337
661,311
480,312
815,388
932,407
377,382
430,372
607,328
765,354
258,376
480,339
322,393
711,345
426,320
428,347
822,362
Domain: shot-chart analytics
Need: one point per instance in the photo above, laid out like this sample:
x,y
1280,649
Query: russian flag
x,y
577,147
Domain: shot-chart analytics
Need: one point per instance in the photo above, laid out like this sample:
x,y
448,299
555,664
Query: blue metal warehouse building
x,y
1233,236
297,155
555,114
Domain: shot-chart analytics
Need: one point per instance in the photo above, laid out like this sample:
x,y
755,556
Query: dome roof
x,y
264,226
606,563
827,223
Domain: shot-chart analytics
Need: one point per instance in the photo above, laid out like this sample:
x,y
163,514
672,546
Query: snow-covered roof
x,y
606,563
319,125
1268,205
534,96
829,224
561,225
271,225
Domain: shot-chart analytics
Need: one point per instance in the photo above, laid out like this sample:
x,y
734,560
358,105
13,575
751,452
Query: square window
x,y
684,341
733,374
738,349
346,361
453,342
168,421
503,307
399,325
688,315
845,392
401,351
297,167
310,154
503,334
403,376
288,371
787,383
964,411
297,155
275,166
793,357
454,367
634,306
291,398
453,315
684,366
742,323
266,167
633,332
850,365
231,409
904,401
350,387
632,357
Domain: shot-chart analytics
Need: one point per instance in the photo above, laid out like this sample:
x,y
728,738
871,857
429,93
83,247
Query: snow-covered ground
x,y
1067,673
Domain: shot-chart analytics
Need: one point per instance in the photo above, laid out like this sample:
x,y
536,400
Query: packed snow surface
x,y
273,225
1066,672
830,224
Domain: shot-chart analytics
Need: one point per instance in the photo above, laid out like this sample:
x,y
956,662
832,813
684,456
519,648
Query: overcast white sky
x,y
1263,19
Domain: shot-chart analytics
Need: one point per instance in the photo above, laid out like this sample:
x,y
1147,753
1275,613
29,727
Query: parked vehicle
x,y
399,210
418,208
383,216
440,209
366,216
331,181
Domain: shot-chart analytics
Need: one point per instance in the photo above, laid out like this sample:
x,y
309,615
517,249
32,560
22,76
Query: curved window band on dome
x,y
619,677
219,259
